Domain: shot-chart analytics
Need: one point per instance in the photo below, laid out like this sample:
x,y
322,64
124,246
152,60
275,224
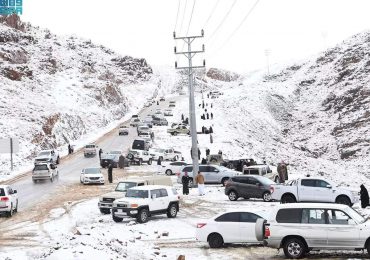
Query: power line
x,y
191,17
238,27
223,20
177,15
210,15
183,15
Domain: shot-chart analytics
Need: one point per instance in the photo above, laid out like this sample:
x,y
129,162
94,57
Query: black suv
x,y
250,186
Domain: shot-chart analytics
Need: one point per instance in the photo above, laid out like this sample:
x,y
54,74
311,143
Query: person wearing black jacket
x,y
110,173
364,195
121,161
100,152
185,183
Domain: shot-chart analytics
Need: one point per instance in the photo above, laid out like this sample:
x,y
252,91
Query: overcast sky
x,y
289,29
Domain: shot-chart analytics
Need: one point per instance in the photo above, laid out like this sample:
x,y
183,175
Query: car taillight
x,y
272,189
200,225
267,232
4,199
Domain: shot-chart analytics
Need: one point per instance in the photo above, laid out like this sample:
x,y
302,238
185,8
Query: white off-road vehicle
x,y
145,201
139,157
48,156
165,154
44,171
106,200
90,150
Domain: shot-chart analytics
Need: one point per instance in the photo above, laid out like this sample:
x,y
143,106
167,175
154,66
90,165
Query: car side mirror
x,y
328,186
14,191
154,196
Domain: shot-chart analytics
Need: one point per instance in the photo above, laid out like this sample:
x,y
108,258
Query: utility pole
x,y
193,125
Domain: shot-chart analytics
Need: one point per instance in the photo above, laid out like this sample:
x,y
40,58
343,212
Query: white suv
x,y
299,228
8,200
44,171
144,201
139,157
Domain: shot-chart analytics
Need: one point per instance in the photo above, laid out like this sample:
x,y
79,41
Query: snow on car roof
x,y
312,205
150,187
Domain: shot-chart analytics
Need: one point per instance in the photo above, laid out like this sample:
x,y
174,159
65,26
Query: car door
x,y
247,227
306,190
253,189
206,174
314,227
342,230
228,226
213,174
156,203
323,192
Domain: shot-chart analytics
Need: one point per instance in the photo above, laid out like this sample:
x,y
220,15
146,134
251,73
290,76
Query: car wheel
x,y
168,172
266,196
233,196
172,211
294,248
117,219
343,200
190,184
10,212
215,241
224,180
288,199
175,133
130,156
105,211
143,216
150,161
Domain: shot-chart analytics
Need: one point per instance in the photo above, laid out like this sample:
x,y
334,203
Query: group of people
x,y
206,130
199,180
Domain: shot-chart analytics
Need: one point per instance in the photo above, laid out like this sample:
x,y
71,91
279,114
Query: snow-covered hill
x,y
55,90
315,115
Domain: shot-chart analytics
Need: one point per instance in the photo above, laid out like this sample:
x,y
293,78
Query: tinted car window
x,y
188,169
251,181
203,168
41,167
156,192
314,216
2,192
321,184
163,192
212,169
254,172
289,216
239,179
229,217
138,145
308,183
248,217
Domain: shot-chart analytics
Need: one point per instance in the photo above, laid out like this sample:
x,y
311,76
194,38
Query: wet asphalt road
x,y
30,193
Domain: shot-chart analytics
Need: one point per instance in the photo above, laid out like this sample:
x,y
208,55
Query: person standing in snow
x,y
121,161
182,117
364,195
211,115
208,152
185,183
282,172
200,181
211,105
210,130
211,138
100,152
207,116
159,165
110,173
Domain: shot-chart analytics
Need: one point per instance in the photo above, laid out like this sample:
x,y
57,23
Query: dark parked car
x,y
107,159
252,186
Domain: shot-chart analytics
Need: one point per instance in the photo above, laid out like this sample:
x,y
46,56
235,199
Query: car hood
x,y
93,175
114,194
126,200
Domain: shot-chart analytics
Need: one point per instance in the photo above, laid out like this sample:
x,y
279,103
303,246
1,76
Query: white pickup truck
x,y
311,189
47,156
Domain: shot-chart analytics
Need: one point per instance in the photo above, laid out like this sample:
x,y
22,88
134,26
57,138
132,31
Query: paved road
x,y
30,193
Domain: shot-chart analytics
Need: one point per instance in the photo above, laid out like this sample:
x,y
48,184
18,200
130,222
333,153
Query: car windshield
x,y
44,153
132,193
40,167
92,170
355,215
90,146
124,186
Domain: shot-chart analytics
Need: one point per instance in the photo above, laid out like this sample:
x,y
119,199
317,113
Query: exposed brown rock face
x,y
222,75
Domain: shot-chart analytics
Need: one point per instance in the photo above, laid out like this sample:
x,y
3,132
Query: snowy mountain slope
x,y
55,90
315,115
